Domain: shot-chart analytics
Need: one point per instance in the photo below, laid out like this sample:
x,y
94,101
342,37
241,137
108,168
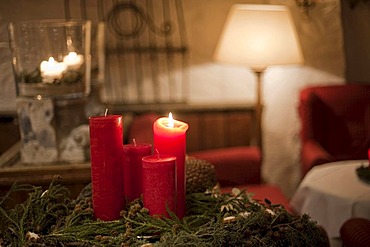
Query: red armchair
x,y
335,123
235,166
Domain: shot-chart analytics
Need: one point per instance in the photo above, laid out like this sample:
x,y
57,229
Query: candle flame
x,y
171,123
72,55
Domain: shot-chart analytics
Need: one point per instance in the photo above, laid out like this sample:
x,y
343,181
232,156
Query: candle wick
x,y
106,112
156,150
134,141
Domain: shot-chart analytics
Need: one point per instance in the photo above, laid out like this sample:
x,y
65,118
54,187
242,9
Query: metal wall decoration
x,y
146,53
305,6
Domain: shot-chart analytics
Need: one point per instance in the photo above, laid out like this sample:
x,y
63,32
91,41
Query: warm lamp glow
x,y
257,36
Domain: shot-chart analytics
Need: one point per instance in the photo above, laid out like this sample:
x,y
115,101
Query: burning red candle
x,y
106,144
159,184
132,169
170,138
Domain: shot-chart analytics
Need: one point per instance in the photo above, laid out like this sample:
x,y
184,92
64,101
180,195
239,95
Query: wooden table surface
x,y
73,176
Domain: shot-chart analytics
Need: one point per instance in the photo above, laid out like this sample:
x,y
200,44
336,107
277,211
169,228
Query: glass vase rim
x,y
51,22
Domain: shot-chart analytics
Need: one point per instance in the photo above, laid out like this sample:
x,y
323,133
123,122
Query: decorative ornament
x,y
363,172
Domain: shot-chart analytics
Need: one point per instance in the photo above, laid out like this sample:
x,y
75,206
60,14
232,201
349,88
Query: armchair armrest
x,y
313,154
234,165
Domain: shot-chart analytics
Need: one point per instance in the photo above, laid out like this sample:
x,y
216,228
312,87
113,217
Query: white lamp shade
x,y
258,36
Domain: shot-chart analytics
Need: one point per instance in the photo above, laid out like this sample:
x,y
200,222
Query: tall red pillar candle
x,y
132,169
170,138
106,145
159,184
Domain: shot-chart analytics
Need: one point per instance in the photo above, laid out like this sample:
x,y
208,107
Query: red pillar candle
x,y
159,184
170,138
106,144
132,169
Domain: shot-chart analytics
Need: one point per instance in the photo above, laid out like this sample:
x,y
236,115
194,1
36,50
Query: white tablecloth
x,y
332,193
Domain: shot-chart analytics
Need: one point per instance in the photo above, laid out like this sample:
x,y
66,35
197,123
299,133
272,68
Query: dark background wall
x,y
356,32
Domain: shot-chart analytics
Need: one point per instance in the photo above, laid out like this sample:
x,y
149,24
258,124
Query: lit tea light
x,y
73,60
51,70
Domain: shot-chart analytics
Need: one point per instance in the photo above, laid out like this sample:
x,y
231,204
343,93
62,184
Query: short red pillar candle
x,y
170,138
159,184
132,169
106,144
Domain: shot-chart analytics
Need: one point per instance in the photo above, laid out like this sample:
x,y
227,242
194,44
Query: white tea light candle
x,y
73,60
51,70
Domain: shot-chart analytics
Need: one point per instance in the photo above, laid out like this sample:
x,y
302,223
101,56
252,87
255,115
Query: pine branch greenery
x,y
50,218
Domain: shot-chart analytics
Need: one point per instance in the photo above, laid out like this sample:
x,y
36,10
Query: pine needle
x,y
50,218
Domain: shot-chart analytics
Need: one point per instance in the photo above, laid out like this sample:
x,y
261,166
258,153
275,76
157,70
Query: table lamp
x,y
258,36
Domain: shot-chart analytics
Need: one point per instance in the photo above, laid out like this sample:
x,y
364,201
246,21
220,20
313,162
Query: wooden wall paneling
x,y
212,131
240,128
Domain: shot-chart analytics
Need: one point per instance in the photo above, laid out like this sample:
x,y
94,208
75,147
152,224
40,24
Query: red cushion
x,y
234,165
355,232
264,191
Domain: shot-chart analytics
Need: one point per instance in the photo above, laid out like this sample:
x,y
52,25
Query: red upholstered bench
x,y
234,165
240,167
270,192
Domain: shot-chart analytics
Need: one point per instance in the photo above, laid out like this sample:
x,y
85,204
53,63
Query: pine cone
x,y
200,175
